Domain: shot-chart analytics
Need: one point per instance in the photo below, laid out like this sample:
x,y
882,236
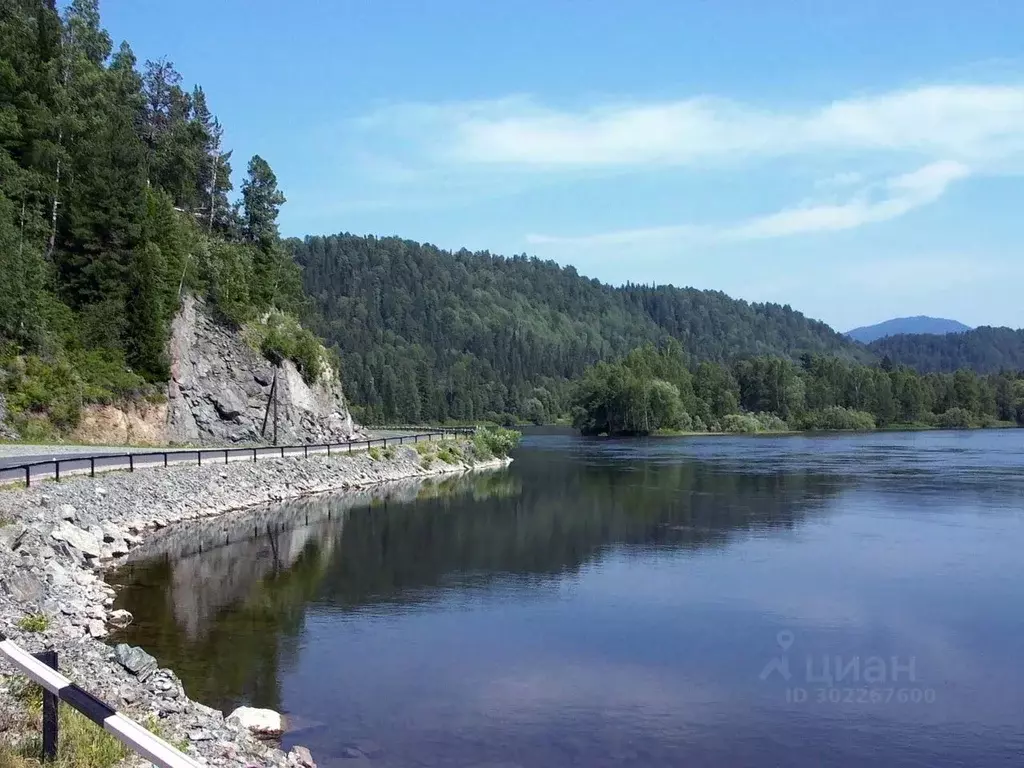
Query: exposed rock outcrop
x,y
138,423
220,390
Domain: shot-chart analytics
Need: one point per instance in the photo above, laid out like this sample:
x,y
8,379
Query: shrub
x,y
281,338
374,454
388,453
449,454
495,441
34,622
955,418
836,418
752,423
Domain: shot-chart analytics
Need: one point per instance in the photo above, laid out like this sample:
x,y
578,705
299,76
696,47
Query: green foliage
x,y
34,622
639,395
434,336
495,441
113,202
752,423
835,418
449,453
282,338
374,454
955,418
985,350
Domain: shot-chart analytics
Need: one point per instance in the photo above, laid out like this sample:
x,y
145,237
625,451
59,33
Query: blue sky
x,y
857,160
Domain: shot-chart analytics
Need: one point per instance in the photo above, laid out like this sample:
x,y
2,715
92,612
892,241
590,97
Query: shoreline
x,y
58,540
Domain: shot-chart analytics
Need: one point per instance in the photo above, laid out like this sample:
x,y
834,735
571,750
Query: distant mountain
x,y
985,350
906,325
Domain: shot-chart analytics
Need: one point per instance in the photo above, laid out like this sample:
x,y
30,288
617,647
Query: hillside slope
x,y
985,350
428,334
906,325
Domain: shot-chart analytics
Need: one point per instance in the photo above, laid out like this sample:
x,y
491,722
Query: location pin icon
x,y
784,639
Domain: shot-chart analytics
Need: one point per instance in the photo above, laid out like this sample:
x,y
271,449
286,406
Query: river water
x,y
798,601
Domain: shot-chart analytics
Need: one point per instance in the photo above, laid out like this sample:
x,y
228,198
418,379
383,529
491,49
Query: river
x,y
831,600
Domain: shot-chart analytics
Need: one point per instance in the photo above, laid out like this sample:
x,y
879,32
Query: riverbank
x,y
57,539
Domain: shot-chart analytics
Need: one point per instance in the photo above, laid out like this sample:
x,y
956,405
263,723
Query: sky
x,y
855,160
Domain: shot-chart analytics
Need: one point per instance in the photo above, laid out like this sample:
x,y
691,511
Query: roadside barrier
x,y
110,461
42,669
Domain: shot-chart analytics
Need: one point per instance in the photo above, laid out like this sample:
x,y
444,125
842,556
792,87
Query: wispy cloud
x,y
971,123
866,148
898,196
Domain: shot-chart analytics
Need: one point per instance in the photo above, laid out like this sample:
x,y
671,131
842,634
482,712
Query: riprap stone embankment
x,y
57,539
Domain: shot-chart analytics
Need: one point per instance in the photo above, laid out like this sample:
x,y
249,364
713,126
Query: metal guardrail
x,y
80,463
42,669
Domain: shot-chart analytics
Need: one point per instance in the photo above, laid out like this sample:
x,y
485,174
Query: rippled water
x,y
803,601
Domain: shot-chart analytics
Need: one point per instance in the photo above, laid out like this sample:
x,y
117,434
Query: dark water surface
x,y
798,601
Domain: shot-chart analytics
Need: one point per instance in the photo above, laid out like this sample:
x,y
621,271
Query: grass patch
x,y
34,622
424,449
449,453
374,454
388,453
152,724
81,744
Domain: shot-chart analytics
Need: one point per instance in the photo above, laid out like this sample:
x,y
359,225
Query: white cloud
x,y
903,194
900,195
970,123
484,147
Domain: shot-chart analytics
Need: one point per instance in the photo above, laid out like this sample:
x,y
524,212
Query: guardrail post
x,y
28,476
131,462
199,458
282,451
385,442
165,459
305,451
92,466
328,450
56,471
253,455
50,702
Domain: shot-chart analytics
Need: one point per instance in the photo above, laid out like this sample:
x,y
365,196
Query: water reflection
x,y
614,603
221,601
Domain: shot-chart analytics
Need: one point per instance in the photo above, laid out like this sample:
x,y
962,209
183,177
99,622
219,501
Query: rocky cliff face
x,y
220,390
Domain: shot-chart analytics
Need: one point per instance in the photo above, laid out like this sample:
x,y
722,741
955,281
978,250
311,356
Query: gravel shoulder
x,y
56,540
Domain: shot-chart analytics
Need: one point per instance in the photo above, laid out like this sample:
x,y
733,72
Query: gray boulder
x,y
135,660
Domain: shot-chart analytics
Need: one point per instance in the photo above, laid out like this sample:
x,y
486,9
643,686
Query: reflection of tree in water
x,y
566,514
227,616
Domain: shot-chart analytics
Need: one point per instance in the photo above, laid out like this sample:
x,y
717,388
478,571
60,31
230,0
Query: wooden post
x,y
50,702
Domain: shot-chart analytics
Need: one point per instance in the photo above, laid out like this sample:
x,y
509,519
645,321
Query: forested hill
x,y
114,200
985,350
427,334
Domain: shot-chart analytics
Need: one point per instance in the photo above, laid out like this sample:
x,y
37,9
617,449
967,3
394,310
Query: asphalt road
x,y
11,468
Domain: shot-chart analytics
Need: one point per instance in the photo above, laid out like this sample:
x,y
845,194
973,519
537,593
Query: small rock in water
x,y
120,618
301,756
261,722
135,660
